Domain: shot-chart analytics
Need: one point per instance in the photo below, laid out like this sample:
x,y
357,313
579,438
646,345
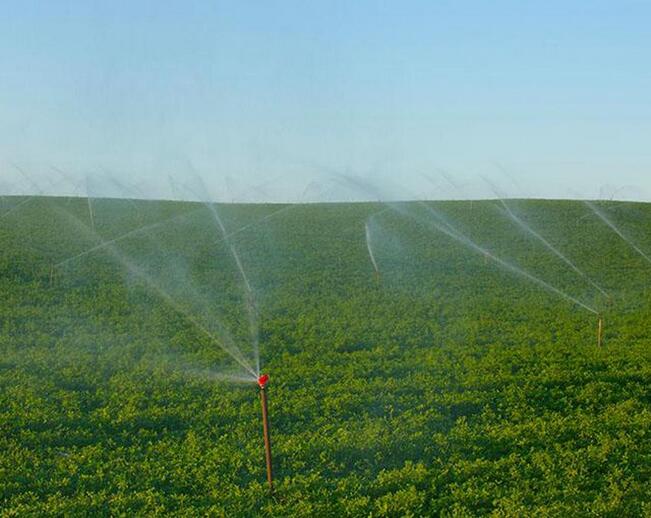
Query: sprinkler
x,y
600,331
263,381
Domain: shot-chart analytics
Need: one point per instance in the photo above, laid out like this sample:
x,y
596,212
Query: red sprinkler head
x,y
263,380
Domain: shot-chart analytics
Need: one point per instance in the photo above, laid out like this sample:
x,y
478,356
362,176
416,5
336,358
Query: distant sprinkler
x,y
600,331
263,381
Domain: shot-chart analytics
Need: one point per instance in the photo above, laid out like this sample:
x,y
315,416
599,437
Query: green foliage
x,y
449,388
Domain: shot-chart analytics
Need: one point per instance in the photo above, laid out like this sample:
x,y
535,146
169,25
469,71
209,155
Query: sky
x,y
272,100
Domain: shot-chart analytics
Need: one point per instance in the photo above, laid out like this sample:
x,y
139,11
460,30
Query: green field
x,y
450,387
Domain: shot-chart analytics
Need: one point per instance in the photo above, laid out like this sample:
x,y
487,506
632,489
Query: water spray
x,y
370,251
91,217
256,222
509,213
218,334
439,223
506,210
132,233
15,207
602,216
263,381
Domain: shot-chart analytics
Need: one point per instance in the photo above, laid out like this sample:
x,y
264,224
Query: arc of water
x,y
509,213
370,248
158,224
615,229
443,226
250,302
129,234
91,217
245,279
253,223
15,208
506,210
28,179
447,228
224,341
37,191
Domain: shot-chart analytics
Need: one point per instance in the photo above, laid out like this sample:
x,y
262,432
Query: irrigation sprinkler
x,y
263,381
600,331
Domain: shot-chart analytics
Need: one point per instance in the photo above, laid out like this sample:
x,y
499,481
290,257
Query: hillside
x,y
447,385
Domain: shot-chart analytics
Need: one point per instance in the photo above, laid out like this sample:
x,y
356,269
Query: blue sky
x,y
543,98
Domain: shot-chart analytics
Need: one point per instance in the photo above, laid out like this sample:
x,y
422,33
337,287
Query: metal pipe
x,y
600,331
262,383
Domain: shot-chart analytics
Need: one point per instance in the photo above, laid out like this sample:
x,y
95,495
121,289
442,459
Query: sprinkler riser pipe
x,y
600,331
262,383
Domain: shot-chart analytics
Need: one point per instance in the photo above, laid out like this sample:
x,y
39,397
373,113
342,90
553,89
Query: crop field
x,y
425,359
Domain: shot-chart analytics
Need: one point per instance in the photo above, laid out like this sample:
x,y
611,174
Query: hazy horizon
x,y
265,101
320,189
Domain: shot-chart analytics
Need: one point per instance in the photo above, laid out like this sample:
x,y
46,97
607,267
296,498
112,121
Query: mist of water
x,y
222,339
174,363
15,208
509,213
245,279
211,375
439,223
153,226
615,229
250,298
254,223
225,237
32,184
251,308
370,247
132,233
91,217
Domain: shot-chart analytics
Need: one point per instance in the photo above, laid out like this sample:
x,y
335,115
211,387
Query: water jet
x,y
371,255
